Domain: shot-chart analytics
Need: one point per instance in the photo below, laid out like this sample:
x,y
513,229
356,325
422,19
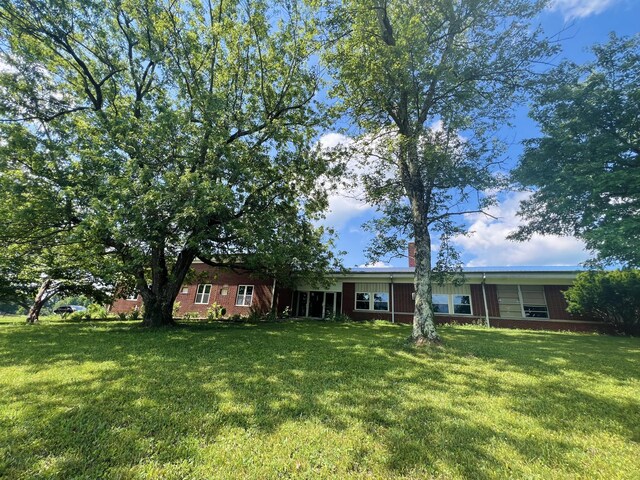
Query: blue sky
x,y
582,23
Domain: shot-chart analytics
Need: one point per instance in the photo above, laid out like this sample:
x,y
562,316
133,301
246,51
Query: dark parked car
x,y
66,309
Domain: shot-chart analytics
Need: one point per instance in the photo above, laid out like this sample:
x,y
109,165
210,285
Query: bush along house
x,y
511,297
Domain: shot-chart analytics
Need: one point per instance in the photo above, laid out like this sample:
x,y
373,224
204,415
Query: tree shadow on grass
x,y
136,395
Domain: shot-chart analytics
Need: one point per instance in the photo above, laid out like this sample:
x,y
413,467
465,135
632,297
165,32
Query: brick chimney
x,y
412,254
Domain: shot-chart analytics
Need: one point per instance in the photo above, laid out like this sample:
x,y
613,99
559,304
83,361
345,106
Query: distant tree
x,y
611,296
585,168
164,130
31,278
428,83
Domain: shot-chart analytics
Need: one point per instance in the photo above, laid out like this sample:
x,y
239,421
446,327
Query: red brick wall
x,y
218,278
412,254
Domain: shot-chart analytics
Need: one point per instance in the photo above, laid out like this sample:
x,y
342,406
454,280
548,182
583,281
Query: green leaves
x,y
177,126
585,168
611,296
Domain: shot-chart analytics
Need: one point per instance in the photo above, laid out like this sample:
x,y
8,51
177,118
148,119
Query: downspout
x,y
484,297
393,303
273,294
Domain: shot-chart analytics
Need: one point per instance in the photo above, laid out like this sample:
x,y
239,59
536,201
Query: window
x,y
462,304
245,295
132,296
459,304
224,291
372,301
522,301
381,301
440,303
533,311
534,303
363,301
185,290
204,293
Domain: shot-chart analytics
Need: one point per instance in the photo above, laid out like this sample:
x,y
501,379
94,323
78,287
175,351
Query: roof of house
x,y
510,269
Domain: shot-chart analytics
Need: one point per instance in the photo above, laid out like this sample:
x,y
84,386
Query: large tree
x,y
166,129
585,168
434,79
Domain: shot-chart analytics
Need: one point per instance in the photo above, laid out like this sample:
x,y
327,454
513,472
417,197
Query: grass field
x,y
314,400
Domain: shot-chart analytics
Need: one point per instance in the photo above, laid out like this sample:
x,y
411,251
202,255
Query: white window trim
x,y
451,305
244,295
132,297
371,302
208,294
452,309
546,305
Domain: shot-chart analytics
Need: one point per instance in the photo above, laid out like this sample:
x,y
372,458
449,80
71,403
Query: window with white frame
x,y
381,301
456,303
184,290
245,295
363,301
132,296
522,301
440,303
372,296
204,293
461,304
534,302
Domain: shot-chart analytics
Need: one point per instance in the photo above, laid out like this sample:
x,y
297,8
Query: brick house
x,y
512,297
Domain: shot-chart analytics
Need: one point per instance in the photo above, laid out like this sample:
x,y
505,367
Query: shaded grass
x,y
311,399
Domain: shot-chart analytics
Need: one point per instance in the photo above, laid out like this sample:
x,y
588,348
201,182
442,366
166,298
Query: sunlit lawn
x,y
314,400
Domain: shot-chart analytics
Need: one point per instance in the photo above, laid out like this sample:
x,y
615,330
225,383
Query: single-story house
x,y
512,297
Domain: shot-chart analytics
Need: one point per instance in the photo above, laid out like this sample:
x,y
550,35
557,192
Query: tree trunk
x,y
158,310
159,297
424,329
41,298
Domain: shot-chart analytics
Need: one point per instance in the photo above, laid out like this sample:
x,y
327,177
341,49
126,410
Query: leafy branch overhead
x,y
167,129
585,168
428,84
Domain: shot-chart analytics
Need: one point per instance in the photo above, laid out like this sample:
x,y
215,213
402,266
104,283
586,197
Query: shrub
x,y
122,315
190,316
216,312
337,317
97,311
286,313
257,315
135,314
79,316
176,308
613,297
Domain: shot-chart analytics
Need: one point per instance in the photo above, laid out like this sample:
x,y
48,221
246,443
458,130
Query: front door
x,y
315,304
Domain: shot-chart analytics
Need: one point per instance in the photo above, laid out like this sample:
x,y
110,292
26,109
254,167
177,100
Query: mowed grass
x,y
308,399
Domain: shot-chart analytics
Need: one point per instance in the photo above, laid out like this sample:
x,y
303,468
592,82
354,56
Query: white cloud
x,y
488,245
571,9
375,265
345,202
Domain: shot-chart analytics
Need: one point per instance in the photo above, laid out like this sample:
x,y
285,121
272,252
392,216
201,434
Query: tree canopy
x,y
427,83
164,131
585,167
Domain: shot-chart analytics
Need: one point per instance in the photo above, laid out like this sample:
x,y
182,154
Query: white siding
x,y
372,287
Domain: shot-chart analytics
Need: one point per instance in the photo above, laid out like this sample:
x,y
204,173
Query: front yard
x,y
314,400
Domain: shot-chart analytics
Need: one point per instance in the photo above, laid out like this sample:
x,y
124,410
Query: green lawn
x,y
314,400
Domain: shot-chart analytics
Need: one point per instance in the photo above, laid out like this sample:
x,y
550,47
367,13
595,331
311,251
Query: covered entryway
x,y
317,304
